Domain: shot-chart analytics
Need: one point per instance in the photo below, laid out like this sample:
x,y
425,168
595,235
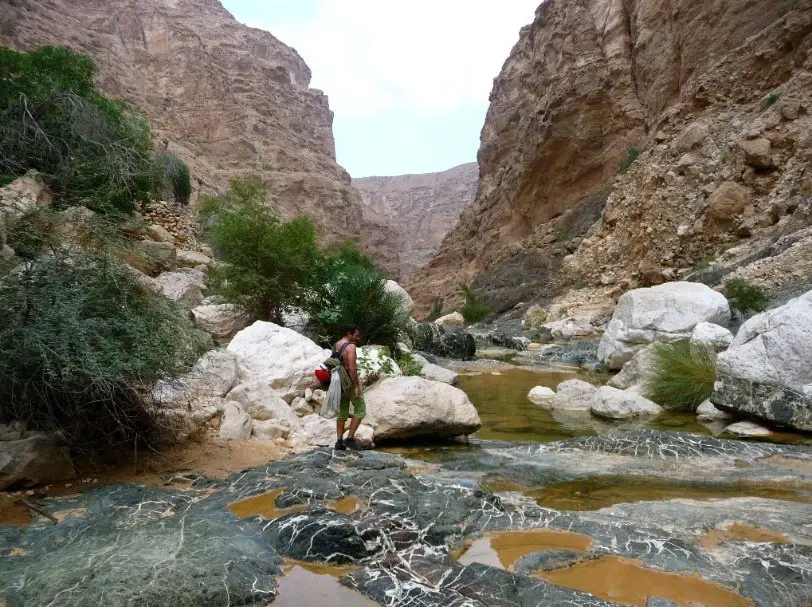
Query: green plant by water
x,y
475,308
745,296
682,375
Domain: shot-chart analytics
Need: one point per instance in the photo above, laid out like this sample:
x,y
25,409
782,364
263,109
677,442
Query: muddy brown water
x,y
309,585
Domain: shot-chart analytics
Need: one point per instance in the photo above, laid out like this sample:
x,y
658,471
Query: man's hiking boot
x,y
351,444
340,446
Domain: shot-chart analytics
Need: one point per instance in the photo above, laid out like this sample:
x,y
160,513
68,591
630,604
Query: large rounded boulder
x,y
401,408
280,357
767,371
665,313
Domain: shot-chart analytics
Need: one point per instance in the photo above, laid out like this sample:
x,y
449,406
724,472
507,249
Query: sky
x,y
408,81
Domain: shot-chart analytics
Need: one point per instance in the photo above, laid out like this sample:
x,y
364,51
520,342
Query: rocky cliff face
x,y
421,209
592,82
231,100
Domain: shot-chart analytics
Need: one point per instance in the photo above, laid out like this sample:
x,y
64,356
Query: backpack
x,y
324,373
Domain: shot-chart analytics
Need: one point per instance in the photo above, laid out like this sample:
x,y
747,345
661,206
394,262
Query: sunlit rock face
x,y
610,128
230,100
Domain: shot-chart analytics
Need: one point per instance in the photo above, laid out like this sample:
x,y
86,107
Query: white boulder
x,y
664,313
455,319
611,403
634,371
236,423
435,372
280,357
747,429
571,328
192,258
185,286
712,336
295,319
541,395
392,287
301,407
213,375
268,430
774,347
222,320
263,404
706,412
409,407
572,395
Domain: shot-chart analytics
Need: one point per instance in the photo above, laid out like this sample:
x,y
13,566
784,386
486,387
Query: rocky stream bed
x,y
608,516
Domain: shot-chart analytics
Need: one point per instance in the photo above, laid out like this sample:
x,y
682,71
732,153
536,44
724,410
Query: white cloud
x,y
422,55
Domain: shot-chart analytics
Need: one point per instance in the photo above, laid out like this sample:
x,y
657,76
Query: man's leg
x,y
354,423
341,418
340,428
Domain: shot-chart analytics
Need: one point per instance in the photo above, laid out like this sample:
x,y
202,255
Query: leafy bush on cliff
x,y
475,308
348,289
92,151
266,263
82,343
628,160
745,296
681,376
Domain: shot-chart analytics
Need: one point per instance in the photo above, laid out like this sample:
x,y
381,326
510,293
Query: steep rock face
x,y
421,209
588,82
231,100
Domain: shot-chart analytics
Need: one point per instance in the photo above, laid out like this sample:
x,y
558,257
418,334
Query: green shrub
x,y
82,343
92,151
348,289
681,376
266,263
172,178
631,156
436,311
745,296
772,99
409,366
475,308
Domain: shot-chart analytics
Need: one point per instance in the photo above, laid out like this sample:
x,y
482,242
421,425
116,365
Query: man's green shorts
x,y
359,408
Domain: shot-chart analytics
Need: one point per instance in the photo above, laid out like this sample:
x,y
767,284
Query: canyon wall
x,y
232,101
421,209
589,86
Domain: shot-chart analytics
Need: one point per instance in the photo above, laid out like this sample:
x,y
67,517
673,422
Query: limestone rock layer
x,y
231,100
592,84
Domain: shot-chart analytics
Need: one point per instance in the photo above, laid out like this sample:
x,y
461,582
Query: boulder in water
x,y
409,407
280,357
611,403
443,340
766,372
540,395
665,313
434,372
572,395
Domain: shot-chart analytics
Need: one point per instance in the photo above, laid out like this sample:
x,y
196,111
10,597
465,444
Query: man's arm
x,y
352,369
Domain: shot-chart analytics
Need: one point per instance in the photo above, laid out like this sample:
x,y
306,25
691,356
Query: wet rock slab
x,y
141,546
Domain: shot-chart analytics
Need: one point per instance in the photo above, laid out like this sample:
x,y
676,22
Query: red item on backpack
x,y
323,375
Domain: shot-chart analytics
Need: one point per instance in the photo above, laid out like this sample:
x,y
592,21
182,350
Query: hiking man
x,y
345,352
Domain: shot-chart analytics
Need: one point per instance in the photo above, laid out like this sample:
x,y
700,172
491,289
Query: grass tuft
x,y
681,376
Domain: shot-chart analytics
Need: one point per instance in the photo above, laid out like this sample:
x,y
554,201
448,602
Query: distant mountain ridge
x,y
420,208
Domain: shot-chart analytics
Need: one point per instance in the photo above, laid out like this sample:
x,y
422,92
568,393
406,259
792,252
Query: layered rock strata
x,y
230,100
421,209
686,127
